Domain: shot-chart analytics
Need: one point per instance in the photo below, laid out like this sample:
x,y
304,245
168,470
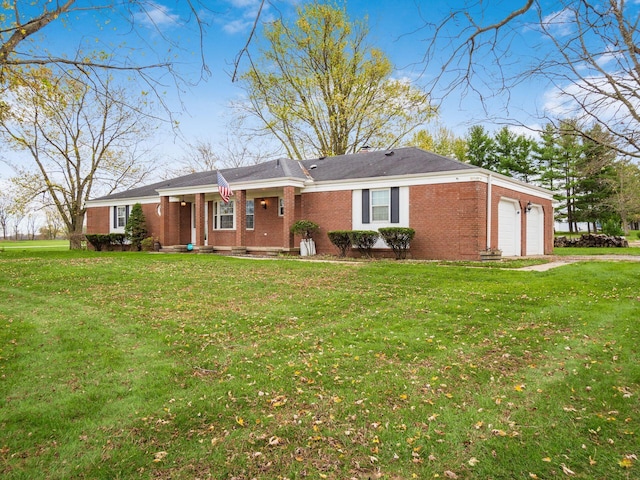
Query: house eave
x,y
252,185
110,202
429,178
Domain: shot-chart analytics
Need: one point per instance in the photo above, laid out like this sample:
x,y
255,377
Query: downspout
x,y
489,205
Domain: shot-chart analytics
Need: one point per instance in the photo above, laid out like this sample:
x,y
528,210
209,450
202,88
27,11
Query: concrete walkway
x,y
562,261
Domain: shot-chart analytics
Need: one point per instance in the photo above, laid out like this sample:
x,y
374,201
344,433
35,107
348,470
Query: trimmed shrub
x,y
398,238
147,244
118,239
98,240
341,239
304,228
364,240
136,228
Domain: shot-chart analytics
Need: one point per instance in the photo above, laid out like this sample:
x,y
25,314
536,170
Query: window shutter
x,y
126,214
395,204
115,217
365,206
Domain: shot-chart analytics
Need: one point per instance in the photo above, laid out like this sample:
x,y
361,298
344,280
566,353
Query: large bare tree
x,y
587,52
82,139
148,47
319,88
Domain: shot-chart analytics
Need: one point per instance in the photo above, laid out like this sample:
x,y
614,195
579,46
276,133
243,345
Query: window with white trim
x,y
280,206
250,214
225,215
120,217
380,205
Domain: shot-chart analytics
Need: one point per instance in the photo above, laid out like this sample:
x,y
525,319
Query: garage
x,y
535,231
509,240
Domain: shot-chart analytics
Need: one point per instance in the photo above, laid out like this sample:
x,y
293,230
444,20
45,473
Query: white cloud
x,y
244,3
594,98
560,23
237,26
157,16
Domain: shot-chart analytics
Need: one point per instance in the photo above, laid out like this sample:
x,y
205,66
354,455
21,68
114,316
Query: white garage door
x,y
535,231
509,228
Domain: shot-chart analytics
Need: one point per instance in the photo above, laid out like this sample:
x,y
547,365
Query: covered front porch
x,y
254,221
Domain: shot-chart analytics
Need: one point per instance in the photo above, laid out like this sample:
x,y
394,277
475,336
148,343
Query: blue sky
x,y
397,27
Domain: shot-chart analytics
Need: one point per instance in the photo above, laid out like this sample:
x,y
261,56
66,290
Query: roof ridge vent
x,y
388,153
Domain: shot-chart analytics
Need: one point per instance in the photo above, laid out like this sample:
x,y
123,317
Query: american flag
x,y
223,188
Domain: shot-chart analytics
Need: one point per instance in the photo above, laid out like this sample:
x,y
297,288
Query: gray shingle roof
x,y
398,162
372,164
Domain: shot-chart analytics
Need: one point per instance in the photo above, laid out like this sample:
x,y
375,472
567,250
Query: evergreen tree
x,y
481,149
514,155
595,172
546,155
136,228
570,152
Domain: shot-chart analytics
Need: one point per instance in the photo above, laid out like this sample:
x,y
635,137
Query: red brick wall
x,y
449,220
170,219
98,219
267,225
153,220
331,211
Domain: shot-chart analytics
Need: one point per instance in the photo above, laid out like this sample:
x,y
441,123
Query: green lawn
x,y
50,245
133,365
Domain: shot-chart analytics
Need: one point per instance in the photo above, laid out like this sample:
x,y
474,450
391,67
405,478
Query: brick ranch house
x,y
456,209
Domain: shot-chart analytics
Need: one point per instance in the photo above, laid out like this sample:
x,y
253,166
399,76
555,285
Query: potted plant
x,y
306,229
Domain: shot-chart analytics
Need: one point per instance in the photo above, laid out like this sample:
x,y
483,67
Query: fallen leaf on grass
x,y
626,462
450,474
158,456
278,401
566,470
473,461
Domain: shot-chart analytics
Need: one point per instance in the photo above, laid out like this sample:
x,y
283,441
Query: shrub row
x,y
99,241
398,238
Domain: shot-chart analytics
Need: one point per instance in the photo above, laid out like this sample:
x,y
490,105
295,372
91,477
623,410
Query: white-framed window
x,y
120,217
380,205
225,216
250,214
280,206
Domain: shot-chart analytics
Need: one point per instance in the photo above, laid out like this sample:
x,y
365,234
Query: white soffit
x,y
438,178
122,201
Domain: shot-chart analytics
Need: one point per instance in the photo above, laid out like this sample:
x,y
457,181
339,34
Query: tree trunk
x,y
76,236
